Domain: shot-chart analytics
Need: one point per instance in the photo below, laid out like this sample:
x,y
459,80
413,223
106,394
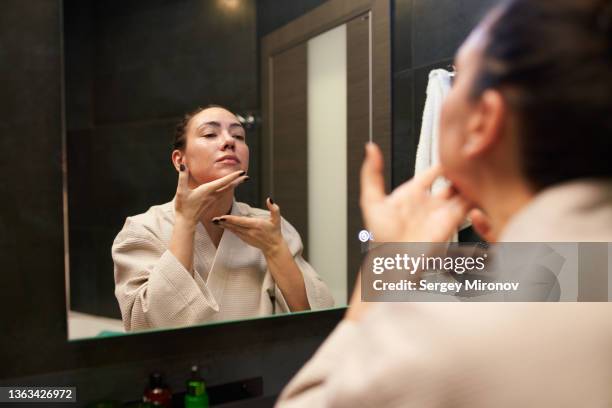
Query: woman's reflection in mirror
x,y
204,256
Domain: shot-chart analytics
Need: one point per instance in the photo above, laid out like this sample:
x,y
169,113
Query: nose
x,y
227,141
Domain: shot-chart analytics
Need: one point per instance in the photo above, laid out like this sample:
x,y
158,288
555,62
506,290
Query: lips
x,y
229,158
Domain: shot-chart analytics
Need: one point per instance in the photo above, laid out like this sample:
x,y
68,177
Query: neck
x,y
221,206
503,200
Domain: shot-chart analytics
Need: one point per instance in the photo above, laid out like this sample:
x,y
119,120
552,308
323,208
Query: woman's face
x,y
460,113
215,146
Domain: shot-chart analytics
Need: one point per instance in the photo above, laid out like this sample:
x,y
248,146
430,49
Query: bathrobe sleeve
x,y
368,364
461,355
376,362
309,387
152,287
319,296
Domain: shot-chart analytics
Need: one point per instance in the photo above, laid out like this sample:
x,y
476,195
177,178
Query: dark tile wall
x,y
132,70
273,14
32,305
156,59
426,35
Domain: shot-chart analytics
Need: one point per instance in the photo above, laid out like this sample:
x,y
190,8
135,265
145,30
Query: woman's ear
x,y
485,127
177,159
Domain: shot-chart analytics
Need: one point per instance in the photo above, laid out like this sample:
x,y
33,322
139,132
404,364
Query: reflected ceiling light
x,y
230,4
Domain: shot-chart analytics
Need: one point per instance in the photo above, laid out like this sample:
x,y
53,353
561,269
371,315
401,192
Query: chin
x,y
467,190
223,172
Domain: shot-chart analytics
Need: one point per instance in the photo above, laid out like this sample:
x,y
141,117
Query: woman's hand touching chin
x,y
410,213
191,204
264,234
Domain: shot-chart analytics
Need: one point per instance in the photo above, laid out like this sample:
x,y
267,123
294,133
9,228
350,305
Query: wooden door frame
x,y
323,18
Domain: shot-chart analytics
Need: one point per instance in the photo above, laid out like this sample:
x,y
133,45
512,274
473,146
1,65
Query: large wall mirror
x,y
303,98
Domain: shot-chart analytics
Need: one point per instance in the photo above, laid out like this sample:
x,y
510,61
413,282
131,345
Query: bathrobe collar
x,y
574,211
213,263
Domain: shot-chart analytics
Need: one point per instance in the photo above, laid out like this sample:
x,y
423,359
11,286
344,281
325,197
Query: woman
x,y
525,139
203,256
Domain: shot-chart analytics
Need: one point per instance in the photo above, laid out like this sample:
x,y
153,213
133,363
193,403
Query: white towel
x,y
427,152
438,87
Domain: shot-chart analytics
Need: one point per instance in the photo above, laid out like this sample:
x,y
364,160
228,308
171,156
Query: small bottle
x,y
196,396
157,393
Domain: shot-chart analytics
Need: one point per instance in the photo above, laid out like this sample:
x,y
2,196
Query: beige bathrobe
x,y
477,354
155,290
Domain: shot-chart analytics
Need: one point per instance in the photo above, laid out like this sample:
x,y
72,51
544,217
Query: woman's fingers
x,y
221,182
239,231
234,183
183,178
446,193
482,224
425,179
372,180
236,220
274,211
421,183
458,208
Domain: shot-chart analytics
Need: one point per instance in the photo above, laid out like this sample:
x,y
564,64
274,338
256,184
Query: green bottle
x,y
196,396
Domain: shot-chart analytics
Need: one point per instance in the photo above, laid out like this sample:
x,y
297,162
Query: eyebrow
x,y
217,124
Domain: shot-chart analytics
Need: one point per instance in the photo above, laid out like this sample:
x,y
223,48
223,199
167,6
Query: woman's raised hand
x,y
190,205
410,213
264,234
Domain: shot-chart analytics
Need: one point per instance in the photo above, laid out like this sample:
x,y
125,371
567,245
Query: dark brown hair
x,y
552,61
180,131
